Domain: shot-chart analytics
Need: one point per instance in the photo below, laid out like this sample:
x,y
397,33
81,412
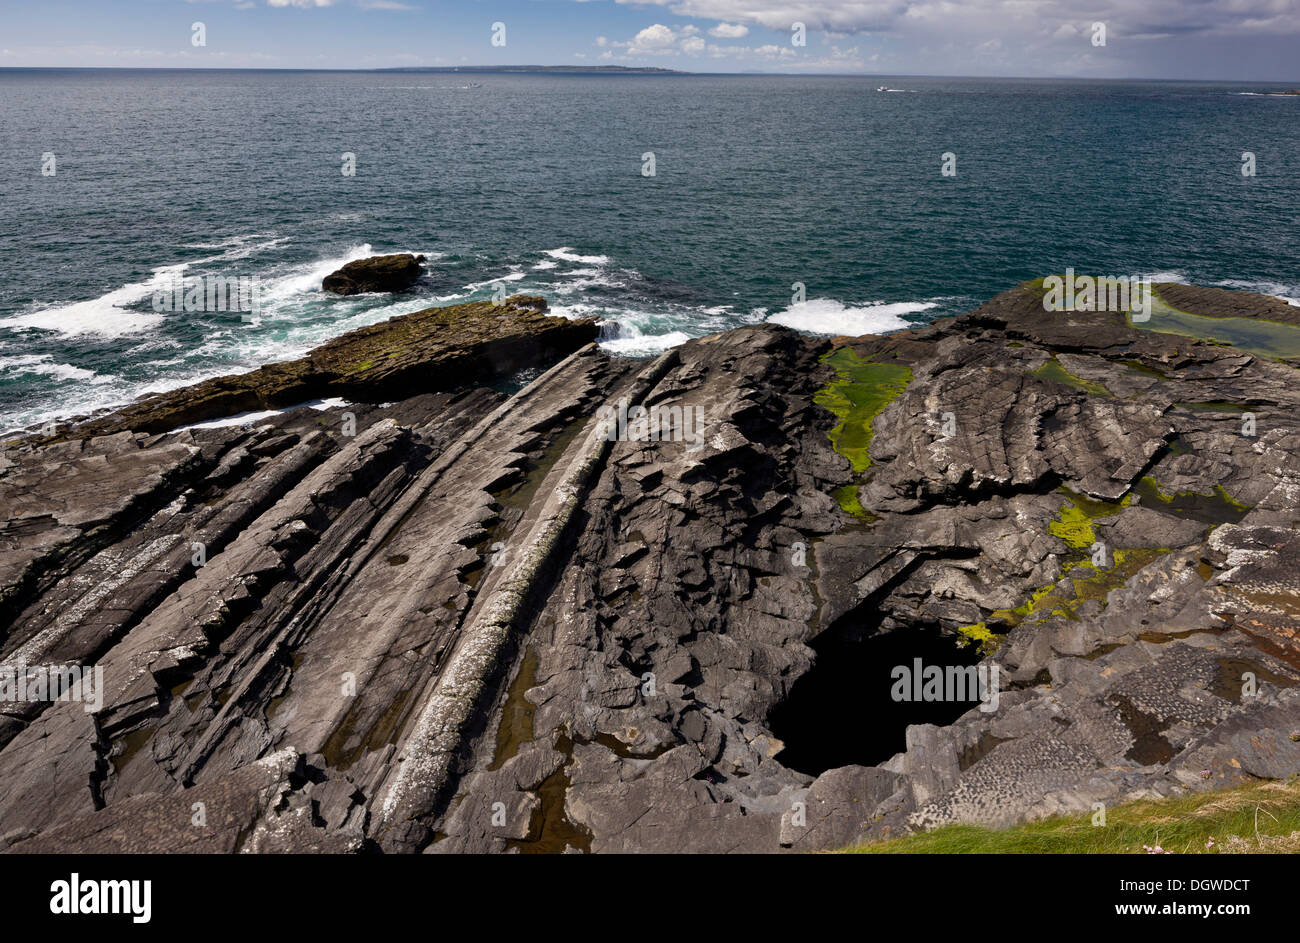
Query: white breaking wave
x,y
43,365
305,278
105,315
1288,293
111,315
828,316
239,247
632,343
508,277
1155,277
566,254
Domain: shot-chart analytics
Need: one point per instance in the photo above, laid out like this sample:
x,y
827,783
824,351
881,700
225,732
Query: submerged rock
x,y
551,622
379,273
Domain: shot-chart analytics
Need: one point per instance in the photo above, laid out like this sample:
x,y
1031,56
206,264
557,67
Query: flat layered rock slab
x,y
426,351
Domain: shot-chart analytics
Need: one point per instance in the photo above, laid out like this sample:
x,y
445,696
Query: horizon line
x,y
640,70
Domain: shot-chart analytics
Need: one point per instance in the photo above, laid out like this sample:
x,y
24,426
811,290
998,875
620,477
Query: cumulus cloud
x,y
653,39
656,40
304,4
729,31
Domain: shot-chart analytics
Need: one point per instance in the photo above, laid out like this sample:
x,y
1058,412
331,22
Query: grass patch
x,y
1257,817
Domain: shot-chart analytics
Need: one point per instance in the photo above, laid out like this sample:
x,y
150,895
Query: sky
x,y
1245,40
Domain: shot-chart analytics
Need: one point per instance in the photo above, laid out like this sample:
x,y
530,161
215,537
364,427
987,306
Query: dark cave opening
x,y
843,712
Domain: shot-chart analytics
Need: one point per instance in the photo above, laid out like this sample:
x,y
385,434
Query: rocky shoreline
x,y
444,618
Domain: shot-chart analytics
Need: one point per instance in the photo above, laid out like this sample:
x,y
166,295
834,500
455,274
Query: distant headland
x,y
618,69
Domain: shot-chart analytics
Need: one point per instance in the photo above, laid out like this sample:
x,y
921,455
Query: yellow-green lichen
x,y
1074,525
1081,578
980,634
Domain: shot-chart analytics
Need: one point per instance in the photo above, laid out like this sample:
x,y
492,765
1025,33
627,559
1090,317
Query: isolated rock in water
x,y
377,273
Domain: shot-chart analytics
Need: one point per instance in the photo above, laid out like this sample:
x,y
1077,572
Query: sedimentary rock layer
x,y
426,351
491,622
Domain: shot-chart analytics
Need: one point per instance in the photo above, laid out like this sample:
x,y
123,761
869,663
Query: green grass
x,y
1257,817
859,393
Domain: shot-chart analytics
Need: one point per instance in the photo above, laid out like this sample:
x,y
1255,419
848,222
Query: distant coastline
x,y
615,69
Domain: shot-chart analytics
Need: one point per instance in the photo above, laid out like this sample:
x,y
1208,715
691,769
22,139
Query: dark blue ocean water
x,y
537,180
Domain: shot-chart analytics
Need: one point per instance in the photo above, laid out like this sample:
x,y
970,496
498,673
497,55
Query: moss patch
x,y
980,634
1081,579
859,393
1074,525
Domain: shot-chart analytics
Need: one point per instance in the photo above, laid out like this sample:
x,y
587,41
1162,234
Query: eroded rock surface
x,y
483,623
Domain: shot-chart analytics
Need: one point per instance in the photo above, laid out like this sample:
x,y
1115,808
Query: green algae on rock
x,y
847,498
1055,371
1275,339
1213,508
980,634
1077,514
859,393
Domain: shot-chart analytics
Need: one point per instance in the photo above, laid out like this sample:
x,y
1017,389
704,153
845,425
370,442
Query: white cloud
x,y
653,39
298,3
975,17
729,31
656,40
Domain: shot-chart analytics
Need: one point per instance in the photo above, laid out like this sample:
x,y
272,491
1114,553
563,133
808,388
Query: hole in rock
x,y
843,712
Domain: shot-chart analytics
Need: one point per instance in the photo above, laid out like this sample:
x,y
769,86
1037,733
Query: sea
x,y
670,206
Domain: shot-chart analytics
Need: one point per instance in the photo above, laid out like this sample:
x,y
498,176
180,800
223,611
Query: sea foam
x,y
828,316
